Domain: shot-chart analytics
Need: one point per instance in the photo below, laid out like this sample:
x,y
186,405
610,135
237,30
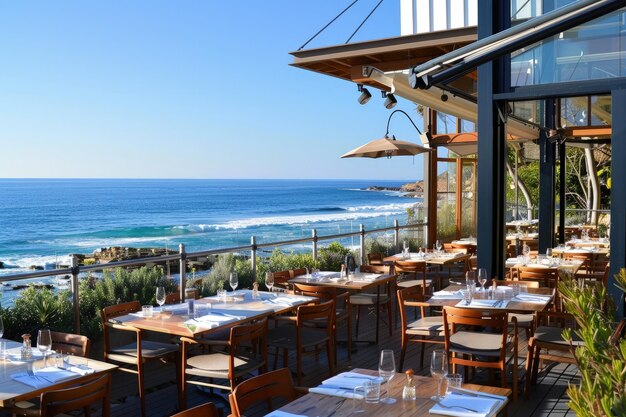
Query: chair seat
x,y
485,344
149,350
523,320
368,299
546,334
407,283
215,365
426,326
286,337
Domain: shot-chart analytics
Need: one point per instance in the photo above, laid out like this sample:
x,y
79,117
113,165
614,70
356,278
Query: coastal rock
x,y
1,265
36,268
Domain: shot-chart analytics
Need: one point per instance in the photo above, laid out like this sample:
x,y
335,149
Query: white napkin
x,y
43,377
278,413
484,406
350,380
335,392
532,298
286,301
81,369
477,303
210,320
450,295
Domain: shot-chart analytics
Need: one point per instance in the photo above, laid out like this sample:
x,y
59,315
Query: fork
x,y
458,406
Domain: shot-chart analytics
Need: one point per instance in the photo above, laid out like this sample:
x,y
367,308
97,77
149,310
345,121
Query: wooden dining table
x,y
356,282
433,259
533,304
313,404
241,307
12,391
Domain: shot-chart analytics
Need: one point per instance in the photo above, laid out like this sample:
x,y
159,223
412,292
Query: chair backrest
x,y
319,291
374,258
110,312
547,277
77,398
202,410
172,298
586,259
297,272
265,387
324,310
507,282
475,320
244,335
410,297
411,268
378,269
281,278
74,344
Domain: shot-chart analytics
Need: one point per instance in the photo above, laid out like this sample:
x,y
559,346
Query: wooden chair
x,y
547,277
202,410
374,258
81,397
172,298
281,279
428,329
370,299
587,263
266,388
297,272
524,320
547,343
299,335
231,365
343,310
480,339
73,344
411,269
132,356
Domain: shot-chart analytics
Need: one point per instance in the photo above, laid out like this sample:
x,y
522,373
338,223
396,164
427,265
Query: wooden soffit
x,y
390,54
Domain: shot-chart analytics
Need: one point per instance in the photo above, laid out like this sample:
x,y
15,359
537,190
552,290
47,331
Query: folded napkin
x,y
278,413
454,295
81,369
286,301
478,303
335,392
532,298
350,380
211,320
459,405
43,377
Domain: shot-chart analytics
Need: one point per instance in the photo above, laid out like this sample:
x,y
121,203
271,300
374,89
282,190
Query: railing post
x,y
75,298
362,231
425,233
396,235
253,257
183,269
314,237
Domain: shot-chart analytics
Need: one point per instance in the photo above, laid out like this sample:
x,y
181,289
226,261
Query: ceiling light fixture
x,y
390,100
365,94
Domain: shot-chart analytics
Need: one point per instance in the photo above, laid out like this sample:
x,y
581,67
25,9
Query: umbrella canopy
x,y
386,147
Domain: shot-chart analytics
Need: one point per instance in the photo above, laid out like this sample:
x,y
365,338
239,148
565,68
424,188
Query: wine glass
x,y
438,245
269,281
1,327
160,296
234,281
482,278
44,342
387,370
438,370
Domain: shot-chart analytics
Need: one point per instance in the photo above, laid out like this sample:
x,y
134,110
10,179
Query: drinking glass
x,y
470,281
269,280
387,370
234,281
1,327
160,296
467,296
438,370
44,342
526,251
482,278
438,245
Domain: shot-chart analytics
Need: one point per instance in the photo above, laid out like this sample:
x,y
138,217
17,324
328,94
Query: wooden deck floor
x,y
547,399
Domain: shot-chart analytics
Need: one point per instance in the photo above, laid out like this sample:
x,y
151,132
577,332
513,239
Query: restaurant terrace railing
x,y
183,256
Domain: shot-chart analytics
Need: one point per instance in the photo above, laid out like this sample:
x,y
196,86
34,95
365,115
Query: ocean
x,y
42,221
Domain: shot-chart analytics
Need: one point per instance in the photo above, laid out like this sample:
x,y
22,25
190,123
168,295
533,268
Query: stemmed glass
x,y
234,281
438,370
387,370
269,281
482,278
1,327
160,296
44,342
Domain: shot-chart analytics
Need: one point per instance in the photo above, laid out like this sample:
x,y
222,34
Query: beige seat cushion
x,y
523,320
367,299
413,283
215,365
426,326
554,335
473,343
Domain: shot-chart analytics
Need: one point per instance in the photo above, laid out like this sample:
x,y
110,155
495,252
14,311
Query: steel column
x,y
562,197
618,195
546,181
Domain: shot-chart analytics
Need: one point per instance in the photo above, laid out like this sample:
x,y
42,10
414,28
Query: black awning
x,y
454,64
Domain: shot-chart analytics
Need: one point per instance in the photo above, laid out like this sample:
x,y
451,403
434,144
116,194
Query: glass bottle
x,y
409,392
27,351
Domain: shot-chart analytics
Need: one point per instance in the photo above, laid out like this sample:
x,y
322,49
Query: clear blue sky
x,y
187,89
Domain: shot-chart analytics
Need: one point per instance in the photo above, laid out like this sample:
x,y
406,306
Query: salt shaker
x,y
409,392
27,351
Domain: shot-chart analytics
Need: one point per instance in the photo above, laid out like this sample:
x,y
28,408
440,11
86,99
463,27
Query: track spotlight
x,y
444,97
390,100
365,94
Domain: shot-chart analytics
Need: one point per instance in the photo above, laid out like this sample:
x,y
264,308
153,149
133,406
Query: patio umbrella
x,y
386,147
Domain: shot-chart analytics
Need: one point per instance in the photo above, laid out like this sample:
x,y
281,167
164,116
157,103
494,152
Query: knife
x,y
471,393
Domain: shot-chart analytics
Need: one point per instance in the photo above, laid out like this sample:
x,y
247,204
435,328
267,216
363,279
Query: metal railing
x,y
182,256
